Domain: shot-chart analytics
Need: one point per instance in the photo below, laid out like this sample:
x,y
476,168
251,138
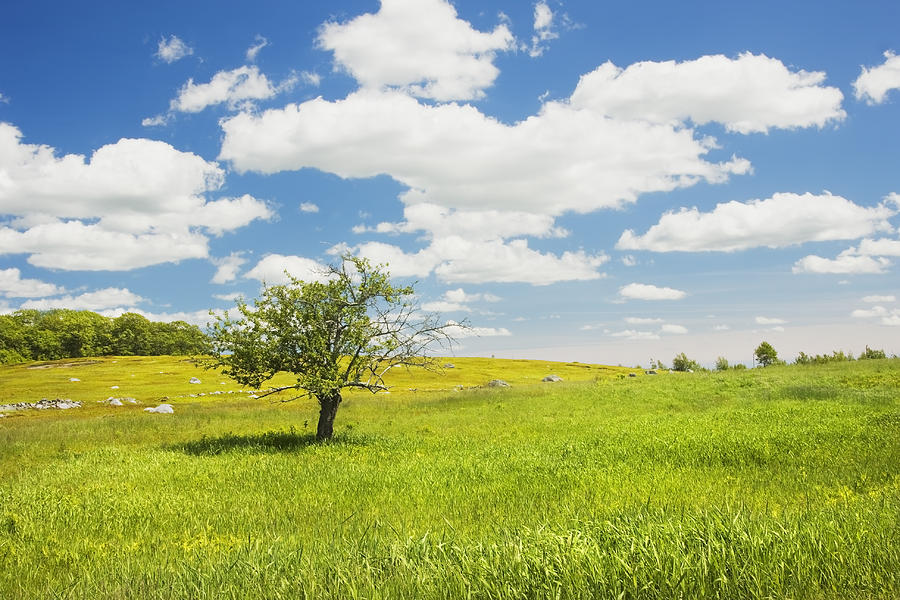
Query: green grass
x,y
774,483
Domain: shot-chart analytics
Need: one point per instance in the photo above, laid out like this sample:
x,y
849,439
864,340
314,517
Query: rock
x,y
449,366
114,402
497,383
115,387
552,378
650,372
130,400
632,374
74,379
162,409
195,380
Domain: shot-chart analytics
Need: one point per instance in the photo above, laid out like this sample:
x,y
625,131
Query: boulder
x,y
650,372
114,402
632,374
552,378
162,409
195,380
497,383
74,379
115,387
449,366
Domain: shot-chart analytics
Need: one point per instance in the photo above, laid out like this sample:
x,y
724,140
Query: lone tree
x,y
766,355
681,362
345,331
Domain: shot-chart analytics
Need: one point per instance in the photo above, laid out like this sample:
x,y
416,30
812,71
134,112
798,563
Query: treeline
x,y
765,355
53,334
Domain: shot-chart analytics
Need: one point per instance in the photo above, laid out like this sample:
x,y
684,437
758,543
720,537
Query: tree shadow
x,y
261,443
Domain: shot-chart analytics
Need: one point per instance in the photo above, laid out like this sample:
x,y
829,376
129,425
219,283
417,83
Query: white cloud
x,y
782,220
13,286
200,318
629,260
172,49
890,317
456,331
642,320
642,291
881,247
458,300
454,156
543,29
134,203
271,269
259,43
419,46
873,84
228,267
845,263
101,299
309,207
310,78
673,329
632,334
237,88
748,94
721,328
4,99
879,299
157,121
769,321
228,297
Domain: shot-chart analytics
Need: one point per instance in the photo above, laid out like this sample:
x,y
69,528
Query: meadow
x,y
781,482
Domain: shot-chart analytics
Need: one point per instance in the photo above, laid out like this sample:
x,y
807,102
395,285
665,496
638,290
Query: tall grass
x,y
771,483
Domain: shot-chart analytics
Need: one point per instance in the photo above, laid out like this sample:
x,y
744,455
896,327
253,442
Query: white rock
x,y
195,380
162,409
115,387
115,402
74,379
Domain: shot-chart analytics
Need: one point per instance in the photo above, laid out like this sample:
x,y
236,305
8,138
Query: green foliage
x,y
721,364
766,355
682,363
64,333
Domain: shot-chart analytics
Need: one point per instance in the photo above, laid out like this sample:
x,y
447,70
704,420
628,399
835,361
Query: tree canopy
x,y
346,330
766,355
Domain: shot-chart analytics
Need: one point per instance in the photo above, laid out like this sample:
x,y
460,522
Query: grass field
x,y
769,483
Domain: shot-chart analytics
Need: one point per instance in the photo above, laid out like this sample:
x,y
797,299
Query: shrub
x,y
722,364
682,363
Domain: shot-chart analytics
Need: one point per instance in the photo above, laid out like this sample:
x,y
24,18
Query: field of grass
x,y
769,483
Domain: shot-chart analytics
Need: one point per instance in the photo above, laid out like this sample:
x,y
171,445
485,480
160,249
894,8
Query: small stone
x,y
162,409
74,379
115,387
497,383
195,380
552,378
115,402
449,366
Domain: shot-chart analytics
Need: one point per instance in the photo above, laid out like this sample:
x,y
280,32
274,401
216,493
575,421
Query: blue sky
x,y
602,182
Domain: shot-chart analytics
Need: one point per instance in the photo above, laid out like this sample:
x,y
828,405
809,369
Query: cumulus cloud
x,y
633,334
543,29
782,220
845,263
457,331
99,300
748,94
309,207
880,247
873,84
642,320
418,46
889,317
12,285
271,269
879,299
769,321
643,291
134,203
228,267
455,259
259,43
172,49
458,300
673,329
237,88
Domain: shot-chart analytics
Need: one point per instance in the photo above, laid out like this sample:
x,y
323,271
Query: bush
x,y
870,354
721,364
682,363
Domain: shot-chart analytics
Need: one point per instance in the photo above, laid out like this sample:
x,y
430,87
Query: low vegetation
x,y
781,482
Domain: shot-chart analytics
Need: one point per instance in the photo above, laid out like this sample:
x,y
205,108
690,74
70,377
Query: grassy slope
x,y
782,482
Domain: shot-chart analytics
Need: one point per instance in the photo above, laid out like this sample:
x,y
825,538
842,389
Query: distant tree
x,y
766,355
343,332
721,364
131,335
657,365
682,363
872,354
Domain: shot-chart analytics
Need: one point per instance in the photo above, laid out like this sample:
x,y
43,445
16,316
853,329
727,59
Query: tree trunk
x,y
329,406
